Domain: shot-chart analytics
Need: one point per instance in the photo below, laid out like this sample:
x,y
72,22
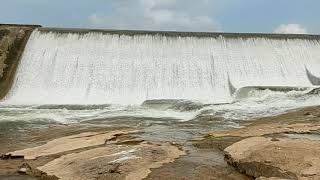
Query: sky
x,y
261,16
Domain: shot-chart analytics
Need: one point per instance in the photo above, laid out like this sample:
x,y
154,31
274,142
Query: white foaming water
x,y
63,115
263,103
96,68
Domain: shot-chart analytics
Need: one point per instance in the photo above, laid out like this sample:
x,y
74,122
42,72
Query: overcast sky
x,y
280,16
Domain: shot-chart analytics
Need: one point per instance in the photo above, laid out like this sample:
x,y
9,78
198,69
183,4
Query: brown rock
x,y
112,162
68,143
23,170
286,158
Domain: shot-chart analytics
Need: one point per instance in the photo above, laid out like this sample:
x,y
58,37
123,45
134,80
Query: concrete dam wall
x,y
13,39
82,66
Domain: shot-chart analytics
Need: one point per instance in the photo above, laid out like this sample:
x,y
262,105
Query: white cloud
x,y
290,29
156,15
159,14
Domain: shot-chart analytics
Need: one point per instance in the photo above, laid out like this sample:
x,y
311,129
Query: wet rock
x,y
315,91
179,105
210,115
286,158
307,114
68,143
199,164
22,170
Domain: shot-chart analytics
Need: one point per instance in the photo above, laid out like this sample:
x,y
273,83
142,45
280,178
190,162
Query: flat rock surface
x,y
135,155
199,164
271,128
68,143
112,162
278,158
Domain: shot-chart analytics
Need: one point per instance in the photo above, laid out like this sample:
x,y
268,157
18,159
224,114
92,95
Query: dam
x,y
183,74
61,66
112,103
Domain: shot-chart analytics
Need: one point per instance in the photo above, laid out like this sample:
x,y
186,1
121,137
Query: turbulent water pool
x,y
177,120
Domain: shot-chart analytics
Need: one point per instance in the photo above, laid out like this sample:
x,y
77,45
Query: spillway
x,y
110,68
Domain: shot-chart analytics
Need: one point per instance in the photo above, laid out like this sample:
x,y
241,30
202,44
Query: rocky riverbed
x,y
280,147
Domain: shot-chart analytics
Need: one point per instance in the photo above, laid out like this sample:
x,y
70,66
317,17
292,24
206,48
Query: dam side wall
x,y
13,39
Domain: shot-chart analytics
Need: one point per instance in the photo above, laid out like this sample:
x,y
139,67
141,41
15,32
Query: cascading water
x,y
102,68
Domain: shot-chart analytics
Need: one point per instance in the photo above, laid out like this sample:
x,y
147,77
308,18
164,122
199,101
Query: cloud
x,y
178,15
162,15
290,29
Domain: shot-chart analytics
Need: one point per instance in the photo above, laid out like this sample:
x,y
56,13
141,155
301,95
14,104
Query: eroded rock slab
x,y
276,158
68,143
112,162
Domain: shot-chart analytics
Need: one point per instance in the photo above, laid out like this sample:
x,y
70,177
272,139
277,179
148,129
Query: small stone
x,y
267,161
309,172
22,170
307,114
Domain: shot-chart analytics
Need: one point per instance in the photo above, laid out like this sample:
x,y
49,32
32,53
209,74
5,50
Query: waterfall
x,y
108,68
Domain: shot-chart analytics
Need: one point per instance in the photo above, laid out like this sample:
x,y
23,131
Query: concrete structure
x,y
13,39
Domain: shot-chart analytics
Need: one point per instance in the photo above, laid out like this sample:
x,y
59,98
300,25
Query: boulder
x,y
285,158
